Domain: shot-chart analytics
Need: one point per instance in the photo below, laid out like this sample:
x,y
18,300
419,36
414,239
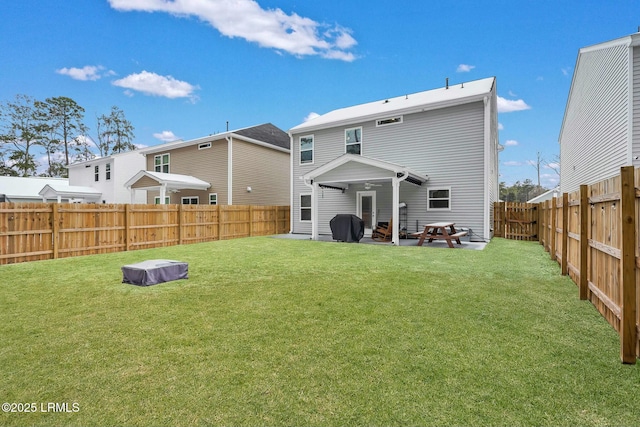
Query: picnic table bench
x,y
440,231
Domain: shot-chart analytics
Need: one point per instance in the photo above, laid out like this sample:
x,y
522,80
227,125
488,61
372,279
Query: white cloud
x,y
270,28
500,126
311,116
157,85
512,163
165,136
88,72
465,68
566,71
554,166
508,105
511,143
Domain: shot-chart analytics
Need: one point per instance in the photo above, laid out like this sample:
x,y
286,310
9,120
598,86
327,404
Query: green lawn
x,y
282,332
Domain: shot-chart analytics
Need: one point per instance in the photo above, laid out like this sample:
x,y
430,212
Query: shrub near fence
x,y
593,234
38,231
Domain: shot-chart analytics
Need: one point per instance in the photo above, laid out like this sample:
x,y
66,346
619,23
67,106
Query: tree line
x,y
56,127
520,191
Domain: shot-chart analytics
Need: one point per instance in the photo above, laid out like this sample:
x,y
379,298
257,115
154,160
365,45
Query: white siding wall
x,y
593,142
445,144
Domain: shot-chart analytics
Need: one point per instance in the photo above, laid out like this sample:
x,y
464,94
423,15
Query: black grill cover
x,y
347,228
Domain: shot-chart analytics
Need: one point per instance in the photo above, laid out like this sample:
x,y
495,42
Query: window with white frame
x,y
189,200
353,140
439,198
161,163
156,200
305,207
306,149
107,171
96,173
213,198
389,121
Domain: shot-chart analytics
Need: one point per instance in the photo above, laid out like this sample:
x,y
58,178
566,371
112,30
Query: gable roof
x,y
171,180
266,135
405,104
52,191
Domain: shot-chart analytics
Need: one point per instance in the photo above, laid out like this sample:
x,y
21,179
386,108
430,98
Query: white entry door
x,y
366,207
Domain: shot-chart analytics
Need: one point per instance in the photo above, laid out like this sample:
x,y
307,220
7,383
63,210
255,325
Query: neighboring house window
x,y
190,200
389,121
353,140
162,163
96,173
156,200
306,149
213,198
204,146
439,198
305,207
107,169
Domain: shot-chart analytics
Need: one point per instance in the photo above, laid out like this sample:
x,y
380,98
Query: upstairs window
x,y
306,149
107,171
161,163
439,198
353,140
96,173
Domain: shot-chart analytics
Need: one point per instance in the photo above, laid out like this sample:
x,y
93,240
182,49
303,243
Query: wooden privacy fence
x,y
593,234
516,221
38,231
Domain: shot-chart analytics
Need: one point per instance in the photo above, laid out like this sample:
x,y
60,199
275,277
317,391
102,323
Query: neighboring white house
x,y
547,195
108,175
601,128
435,152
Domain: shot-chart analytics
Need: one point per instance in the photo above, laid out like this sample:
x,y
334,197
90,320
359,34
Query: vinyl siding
x,y
446,144
265,170
636,107
209,165
594,138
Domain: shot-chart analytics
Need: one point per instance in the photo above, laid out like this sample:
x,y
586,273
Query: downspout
x,y
486,226
395,210
229,170
291,184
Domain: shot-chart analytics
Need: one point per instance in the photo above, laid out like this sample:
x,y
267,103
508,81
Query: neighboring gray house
x,y
601,128
418,158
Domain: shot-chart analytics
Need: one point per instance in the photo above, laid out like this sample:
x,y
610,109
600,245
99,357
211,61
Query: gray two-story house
x,y
413,159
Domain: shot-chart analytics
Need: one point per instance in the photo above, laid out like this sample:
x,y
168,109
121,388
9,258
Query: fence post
x,y
251,221
552,231
55,228
127,227
564,266
584,242
220,226
628,279
275,219
180,233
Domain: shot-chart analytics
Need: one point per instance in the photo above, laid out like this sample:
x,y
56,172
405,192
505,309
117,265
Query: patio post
x,y
314,210
395,211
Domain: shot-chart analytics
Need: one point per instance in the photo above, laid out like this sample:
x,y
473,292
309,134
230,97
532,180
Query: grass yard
x,y
283,332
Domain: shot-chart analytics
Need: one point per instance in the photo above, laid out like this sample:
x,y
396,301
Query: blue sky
x,y
183,68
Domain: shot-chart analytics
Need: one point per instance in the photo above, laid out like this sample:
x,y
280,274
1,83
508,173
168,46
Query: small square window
x,y
213,198
439,198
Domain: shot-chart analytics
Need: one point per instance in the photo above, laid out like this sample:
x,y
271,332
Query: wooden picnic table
x,y
440,231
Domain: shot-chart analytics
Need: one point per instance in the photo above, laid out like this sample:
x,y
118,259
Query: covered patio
x,y
352,169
